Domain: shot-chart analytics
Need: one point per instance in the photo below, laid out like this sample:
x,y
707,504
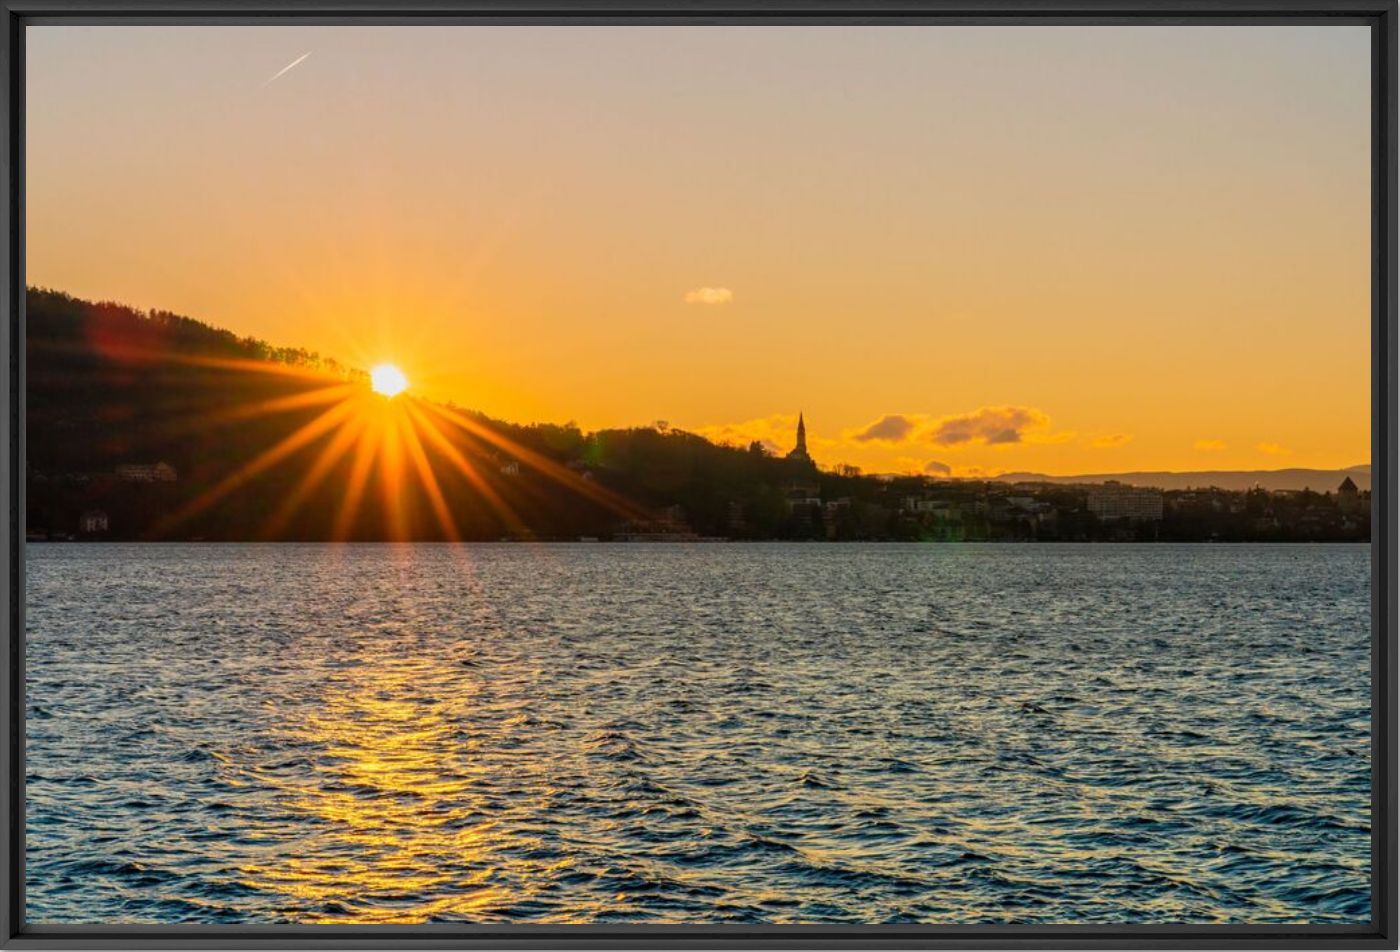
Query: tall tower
x,y
799,452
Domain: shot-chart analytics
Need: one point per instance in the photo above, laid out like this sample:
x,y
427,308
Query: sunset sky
x,y
955,249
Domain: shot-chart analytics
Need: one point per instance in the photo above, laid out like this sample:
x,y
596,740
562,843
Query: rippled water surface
x,y
761,733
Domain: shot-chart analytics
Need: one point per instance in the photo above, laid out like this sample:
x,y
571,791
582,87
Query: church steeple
x,y
799,452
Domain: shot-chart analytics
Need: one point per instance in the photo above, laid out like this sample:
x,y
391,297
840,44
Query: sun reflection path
x,y
414,806
393,840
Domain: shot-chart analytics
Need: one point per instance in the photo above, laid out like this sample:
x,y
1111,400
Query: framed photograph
x,y
549,474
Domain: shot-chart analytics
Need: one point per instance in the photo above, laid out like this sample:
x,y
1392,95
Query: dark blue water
x,y
702,733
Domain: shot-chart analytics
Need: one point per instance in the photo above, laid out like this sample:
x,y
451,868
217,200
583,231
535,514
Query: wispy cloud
x,y
890,428
1109,440
1210,445
286,69
709,296
1273,449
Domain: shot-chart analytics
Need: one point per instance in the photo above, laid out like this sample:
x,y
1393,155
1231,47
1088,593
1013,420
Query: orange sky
x,y
1059,249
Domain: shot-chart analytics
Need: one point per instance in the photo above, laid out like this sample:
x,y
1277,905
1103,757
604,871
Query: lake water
x,y
700,733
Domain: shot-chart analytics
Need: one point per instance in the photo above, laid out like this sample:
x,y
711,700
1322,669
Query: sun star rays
x,y
419,457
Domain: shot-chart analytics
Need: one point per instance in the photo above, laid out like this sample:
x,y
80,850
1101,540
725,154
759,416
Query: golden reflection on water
x,y
403,824
377,797
384,808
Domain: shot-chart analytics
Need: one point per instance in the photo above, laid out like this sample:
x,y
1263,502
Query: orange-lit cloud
x,y
991,425
776,433
890,428
1210,445
709,296
1273,449
935,468
1110,440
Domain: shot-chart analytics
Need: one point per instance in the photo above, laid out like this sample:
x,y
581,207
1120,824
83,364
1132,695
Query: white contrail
x,y
285,69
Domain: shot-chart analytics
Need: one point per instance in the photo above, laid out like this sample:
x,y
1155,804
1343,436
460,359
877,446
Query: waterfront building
x,y
147,473
1114,500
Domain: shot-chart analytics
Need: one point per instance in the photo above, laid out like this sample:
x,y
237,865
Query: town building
x,y
667,525
1348,496
836,512
93,522
1114,500
800,494
147,473
734,516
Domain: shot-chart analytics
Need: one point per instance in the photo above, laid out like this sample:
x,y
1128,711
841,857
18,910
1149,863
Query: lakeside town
x,y
839,506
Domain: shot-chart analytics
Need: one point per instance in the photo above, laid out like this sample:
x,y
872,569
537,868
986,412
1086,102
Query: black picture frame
x,y
1379,15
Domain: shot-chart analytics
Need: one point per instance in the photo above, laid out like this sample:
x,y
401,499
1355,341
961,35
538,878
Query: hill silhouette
x,y
110,388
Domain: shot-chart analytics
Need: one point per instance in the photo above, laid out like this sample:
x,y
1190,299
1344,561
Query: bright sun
x,y
388,380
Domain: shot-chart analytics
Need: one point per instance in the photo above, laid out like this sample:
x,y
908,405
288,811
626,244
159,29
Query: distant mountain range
x,y
1320,480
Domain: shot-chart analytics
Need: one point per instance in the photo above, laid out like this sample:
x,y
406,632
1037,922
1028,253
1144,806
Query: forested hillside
x,y
111,388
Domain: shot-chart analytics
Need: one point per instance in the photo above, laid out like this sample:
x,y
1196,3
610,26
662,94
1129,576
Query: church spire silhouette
x,y
799,452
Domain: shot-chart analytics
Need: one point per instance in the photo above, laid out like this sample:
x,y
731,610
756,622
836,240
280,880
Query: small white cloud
x,y
709,296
